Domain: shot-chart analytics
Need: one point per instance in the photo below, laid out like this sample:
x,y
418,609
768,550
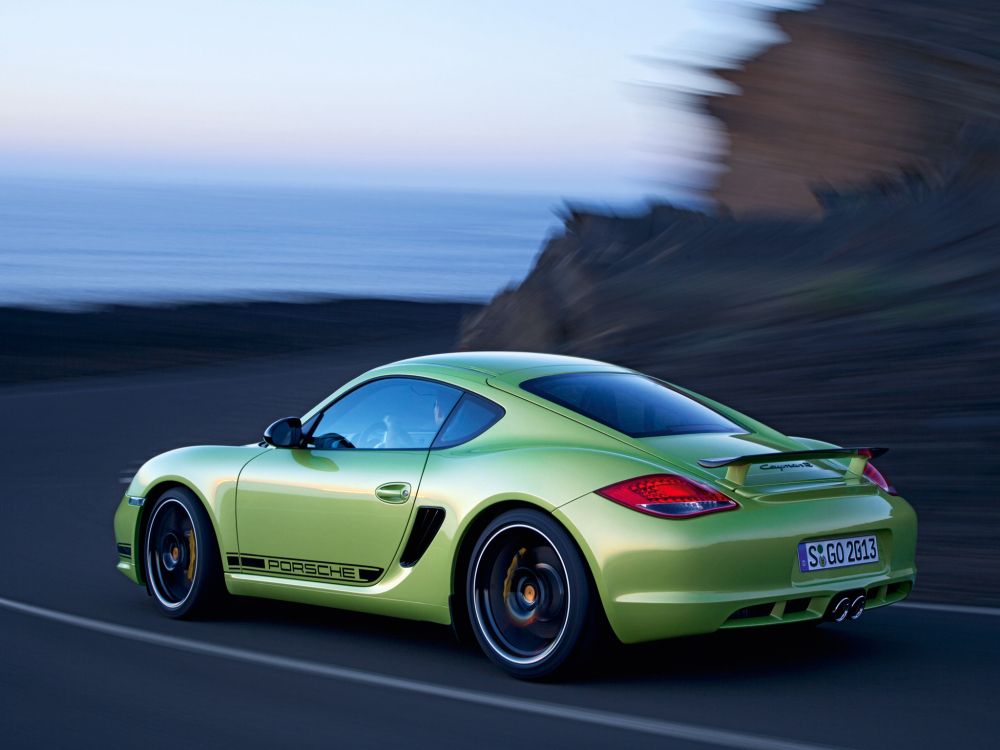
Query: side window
x,y
472,417
389,413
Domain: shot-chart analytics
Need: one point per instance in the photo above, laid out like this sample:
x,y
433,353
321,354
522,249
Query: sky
x,y
549,96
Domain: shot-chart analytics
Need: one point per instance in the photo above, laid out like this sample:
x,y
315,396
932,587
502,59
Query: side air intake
x,y
425,527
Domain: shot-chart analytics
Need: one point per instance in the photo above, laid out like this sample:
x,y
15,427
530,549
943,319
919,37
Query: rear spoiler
x,y
737,466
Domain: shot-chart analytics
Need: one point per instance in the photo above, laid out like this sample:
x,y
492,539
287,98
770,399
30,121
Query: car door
x,y
336,509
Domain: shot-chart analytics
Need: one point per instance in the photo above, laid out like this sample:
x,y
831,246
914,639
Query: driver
x,y
396,437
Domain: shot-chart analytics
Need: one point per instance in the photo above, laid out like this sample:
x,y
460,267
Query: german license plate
x,y
837,553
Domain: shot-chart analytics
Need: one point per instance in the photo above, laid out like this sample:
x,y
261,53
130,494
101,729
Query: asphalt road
x,y
94,663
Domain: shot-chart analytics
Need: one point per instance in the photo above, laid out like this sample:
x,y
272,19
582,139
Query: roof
x,y
498,363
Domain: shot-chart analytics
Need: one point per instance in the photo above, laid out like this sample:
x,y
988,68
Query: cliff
x,y
860,90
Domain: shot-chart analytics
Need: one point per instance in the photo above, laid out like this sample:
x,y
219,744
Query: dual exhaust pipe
x,y
846,607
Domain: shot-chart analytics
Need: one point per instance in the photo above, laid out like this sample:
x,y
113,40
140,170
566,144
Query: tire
x,y
530,601
181,556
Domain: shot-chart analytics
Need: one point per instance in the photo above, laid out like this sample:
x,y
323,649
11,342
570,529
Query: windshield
x,y
630,403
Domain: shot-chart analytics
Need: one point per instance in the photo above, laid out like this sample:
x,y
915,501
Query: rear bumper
x,y
660,578
813,605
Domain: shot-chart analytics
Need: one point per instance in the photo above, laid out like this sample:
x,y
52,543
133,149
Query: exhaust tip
x,y
840,609
857,607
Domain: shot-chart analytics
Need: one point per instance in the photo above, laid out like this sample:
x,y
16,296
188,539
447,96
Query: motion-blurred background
x,y
793,208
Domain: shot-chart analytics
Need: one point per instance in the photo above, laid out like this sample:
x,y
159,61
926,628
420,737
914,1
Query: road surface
x,y
87,660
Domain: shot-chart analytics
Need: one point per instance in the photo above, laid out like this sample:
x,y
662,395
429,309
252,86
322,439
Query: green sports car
x,y
530,500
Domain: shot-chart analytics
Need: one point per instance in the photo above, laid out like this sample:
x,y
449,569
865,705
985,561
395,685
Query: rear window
x,y
630,403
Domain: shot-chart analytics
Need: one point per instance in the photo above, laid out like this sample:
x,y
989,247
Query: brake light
x,y
668,496
876,477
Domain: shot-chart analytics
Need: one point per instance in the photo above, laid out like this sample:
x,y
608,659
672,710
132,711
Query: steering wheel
x,y
372,435
332,440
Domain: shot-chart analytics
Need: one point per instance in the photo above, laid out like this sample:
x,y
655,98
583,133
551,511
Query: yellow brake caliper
x,y
193,550
510,572
507,581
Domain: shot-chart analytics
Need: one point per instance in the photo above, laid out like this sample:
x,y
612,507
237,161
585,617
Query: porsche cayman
x,y
530,500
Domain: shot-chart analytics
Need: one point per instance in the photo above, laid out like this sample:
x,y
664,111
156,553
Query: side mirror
x,y
285,433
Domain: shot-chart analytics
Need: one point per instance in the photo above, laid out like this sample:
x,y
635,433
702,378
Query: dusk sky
x,y
510,96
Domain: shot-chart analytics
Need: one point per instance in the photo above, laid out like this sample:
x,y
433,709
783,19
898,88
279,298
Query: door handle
x,y
393,492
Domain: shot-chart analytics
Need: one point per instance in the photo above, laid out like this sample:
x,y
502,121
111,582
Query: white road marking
x,y
958,609
657,727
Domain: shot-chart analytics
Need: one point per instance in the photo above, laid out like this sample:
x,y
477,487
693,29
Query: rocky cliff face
x,y
859,315
860,90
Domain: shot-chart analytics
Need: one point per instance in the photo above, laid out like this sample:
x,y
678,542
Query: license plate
x,y
837,553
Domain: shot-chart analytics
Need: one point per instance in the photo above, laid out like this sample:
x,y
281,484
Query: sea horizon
x,y
74,244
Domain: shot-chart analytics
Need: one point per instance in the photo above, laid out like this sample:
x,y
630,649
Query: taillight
x,y
668,496
876,477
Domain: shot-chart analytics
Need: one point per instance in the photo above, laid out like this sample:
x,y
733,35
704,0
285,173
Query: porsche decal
x,y
311,569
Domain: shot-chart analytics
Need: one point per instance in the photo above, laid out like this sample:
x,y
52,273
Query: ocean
x,y
76,244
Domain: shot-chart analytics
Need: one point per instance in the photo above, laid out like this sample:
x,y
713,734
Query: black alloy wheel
x,y
181,558
529,595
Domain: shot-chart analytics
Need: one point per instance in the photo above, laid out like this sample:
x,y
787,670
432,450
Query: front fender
x,y
209,471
